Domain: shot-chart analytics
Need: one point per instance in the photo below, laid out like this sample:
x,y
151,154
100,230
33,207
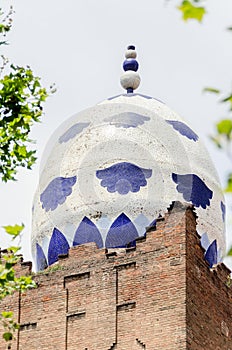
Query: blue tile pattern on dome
x,y
56,192
205,242
87,232
223,209
132,94
121,232
211,254
183,129
194,190
58,245
73,131
41,261
123,177
127,120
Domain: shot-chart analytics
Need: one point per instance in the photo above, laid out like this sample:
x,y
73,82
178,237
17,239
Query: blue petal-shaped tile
x,y
121,232
123,177
41,261
58,245
211,254
141,222
73,131
183,129
193,189
127,120
87,232
223,209
205,242
56,192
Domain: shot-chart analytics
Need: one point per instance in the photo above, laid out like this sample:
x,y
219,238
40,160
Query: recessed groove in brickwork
x,y
142,345
130,249
126,266
140,239
76,277
111,255
62,256
27,264
126,306
178,306
150,228
75,316
169,307
28,326
161,218
175,261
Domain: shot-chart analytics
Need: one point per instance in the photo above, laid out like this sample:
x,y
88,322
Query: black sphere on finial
x,y
131,47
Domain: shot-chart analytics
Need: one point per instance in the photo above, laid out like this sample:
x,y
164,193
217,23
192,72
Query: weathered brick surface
x,y
209,300
161,295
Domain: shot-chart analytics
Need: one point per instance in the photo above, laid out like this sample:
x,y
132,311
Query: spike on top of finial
x,y
130,80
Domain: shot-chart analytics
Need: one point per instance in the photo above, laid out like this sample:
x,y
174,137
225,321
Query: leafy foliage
x,y
21,105
223,135
192,10
7,319
5,24
21,99
14,230
10,282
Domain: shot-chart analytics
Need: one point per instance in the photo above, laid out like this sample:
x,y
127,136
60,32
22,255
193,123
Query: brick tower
x,y
127,235
161,294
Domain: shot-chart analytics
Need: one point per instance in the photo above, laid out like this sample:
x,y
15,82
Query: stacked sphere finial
x,y
130,80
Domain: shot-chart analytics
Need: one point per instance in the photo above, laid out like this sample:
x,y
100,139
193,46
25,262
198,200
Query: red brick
x,y
161,295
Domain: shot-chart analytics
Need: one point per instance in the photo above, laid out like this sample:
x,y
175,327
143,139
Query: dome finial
x,y
130,80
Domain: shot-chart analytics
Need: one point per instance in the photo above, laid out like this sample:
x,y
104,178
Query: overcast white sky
x,y
80,45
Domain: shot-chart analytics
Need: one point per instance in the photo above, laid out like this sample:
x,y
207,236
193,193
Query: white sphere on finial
x,y
130,53
130,80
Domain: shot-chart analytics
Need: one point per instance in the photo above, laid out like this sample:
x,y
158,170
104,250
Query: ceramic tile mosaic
x,y
114,168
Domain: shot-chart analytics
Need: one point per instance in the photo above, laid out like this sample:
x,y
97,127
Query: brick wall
x,y
161,295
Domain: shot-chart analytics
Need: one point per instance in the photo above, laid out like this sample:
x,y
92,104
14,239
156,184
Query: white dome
x,y
111,170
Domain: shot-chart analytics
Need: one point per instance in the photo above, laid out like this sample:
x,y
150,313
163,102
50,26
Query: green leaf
x,y
211,90
228,99
191,11
7,314
216,140
224,127
22,151
230,28
229,252
21,105
229,185
7,336
13,249
14,230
